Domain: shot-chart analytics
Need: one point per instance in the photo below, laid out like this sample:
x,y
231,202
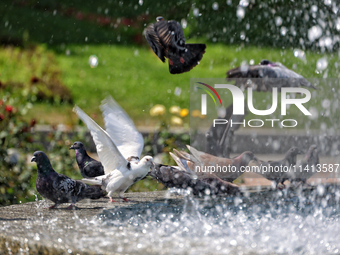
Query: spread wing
x,y
171,33
154,41
121,129
108,152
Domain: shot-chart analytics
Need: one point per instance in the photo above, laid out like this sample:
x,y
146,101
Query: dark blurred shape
x,y
172,177
221,137
266,76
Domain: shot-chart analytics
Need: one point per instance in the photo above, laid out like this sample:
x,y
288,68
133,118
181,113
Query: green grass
x,y
137,79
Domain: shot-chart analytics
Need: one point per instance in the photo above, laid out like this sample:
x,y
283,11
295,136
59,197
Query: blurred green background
x,y
46,47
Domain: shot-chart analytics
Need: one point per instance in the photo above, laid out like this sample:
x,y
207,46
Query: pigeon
x,y
166,39
266,75
173,177
220,137
60,188
120,173
205,165
277,170
88,166
306,167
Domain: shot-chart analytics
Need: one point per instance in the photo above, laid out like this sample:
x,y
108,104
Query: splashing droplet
x,y
93,61
283,31
314,8
178,91
326,103
314,33
328,2
184,23
300,54
244,3
240,13
278,21
321,64
215,6
314,112
196,12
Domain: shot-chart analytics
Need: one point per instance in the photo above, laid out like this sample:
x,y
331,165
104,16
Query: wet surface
x,y
265,222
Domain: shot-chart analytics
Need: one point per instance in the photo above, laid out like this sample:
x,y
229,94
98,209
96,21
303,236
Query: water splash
x,y
300,54
263,223
240,13
215,6
184,23
93,61
314,33
322,64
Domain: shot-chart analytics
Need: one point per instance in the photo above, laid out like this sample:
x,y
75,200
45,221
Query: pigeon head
x,y
312,152
313,147
147,160
265,62
246,157
293,151
159,18
77,146
291,155
43,163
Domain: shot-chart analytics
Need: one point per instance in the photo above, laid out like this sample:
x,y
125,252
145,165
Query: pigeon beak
x,y
71,148
34,159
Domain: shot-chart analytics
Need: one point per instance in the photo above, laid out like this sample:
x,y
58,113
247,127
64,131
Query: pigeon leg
x,y
51,207
281,186
71,207
127,200
170,62
111,200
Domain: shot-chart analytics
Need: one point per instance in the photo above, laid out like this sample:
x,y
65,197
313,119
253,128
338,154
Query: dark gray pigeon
x,y
88,166
166,39
173,177
60,188
264,77
279,176
306,167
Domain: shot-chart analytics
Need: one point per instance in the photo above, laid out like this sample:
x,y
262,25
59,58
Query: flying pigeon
x,y
171,177
166,39
280,175
120,173
266,75
220,137
88,166
60,188
204,165
306,167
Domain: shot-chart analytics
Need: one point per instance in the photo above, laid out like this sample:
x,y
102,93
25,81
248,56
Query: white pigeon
x,y
120,174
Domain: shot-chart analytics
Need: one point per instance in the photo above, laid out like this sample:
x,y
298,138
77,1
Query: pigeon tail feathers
x,y
180,63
